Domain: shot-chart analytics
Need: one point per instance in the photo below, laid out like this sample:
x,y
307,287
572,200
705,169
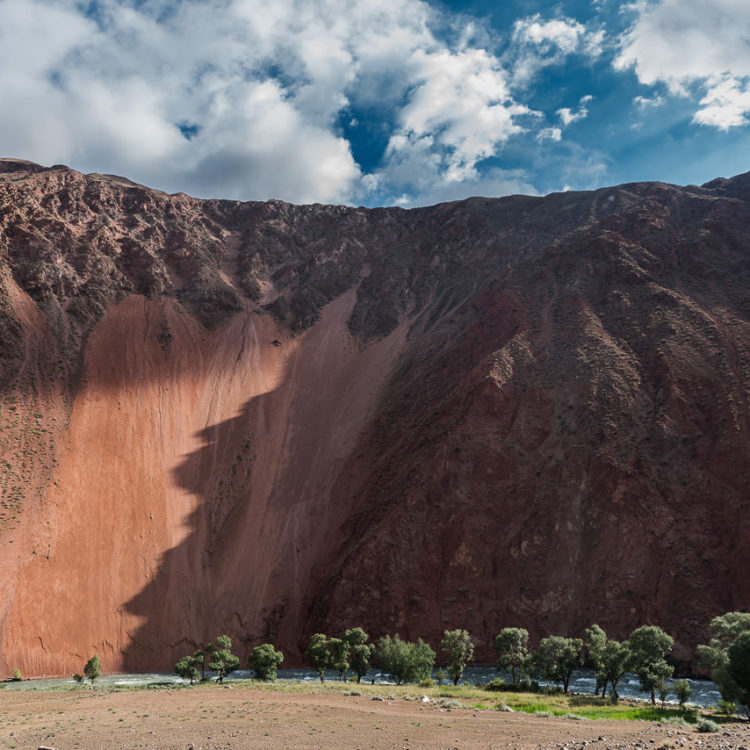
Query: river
x,y
702,692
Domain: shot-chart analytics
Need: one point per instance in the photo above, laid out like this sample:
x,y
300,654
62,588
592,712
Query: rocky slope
x,y
266,420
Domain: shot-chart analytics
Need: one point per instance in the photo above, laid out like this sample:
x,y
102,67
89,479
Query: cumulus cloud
x,y
460,111
251,100
689,44
538,43
244,99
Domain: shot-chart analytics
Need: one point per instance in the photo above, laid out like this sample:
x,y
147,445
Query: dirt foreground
x,y
245,717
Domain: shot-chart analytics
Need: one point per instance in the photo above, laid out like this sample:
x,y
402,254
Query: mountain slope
x,y
266,419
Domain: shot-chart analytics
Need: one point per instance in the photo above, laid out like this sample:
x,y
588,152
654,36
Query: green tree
x,y
93,668
423,660
596,641
361,652
188,668
662,689
319,654
725,631
512,646
339,650
649,646
264,660
738,669
615,662
557,657
682,691
223,661
404,661
459,647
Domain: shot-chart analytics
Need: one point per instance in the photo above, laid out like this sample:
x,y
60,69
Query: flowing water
x,y
702,692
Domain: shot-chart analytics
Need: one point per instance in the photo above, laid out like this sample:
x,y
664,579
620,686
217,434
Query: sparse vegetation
x,y
404,661
725,631
459,647
512,646
223,661
189,667
706,725
92,668
557,657
361,651
264,661
319,654
682,691
649,646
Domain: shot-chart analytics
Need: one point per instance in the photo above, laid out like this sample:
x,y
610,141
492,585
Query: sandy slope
x,y
269,420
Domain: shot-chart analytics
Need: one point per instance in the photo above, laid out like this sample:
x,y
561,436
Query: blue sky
x,y
378,102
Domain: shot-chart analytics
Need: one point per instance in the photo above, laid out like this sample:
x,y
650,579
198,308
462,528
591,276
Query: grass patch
x,y
589,707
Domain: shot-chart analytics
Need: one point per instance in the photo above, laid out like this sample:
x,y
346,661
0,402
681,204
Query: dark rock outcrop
x,y
267,420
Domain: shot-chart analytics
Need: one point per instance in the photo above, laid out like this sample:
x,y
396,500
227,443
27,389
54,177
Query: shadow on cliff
x,y
181,605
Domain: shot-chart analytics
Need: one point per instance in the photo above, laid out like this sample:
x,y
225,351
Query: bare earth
x,y
246,717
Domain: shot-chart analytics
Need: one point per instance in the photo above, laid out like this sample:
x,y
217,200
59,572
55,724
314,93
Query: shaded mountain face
x,y
270,420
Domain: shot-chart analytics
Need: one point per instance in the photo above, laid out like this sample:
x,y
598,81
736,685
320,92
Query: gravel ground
x,y
244,717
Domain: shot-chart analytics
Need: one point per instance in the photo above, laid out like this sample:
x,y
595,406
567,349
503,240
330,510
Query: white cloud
x,y
568,116
692,43
460,111
539,43
645,102
726,105
549,134
243,99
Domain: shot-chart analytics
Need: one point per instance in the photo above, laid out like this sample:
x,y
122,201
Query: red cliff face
x,y
268,420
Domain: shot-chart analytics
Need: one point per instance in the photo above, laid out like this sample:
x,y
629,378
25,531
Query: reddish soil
x,y
213,719
268,420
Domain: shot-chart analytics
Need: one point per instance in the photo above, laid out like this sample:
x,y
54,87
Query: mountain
x,y
270,420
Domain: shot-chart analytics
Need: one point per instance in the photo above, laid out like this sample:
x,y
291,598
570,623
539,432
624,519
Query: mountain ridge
x,y
522,411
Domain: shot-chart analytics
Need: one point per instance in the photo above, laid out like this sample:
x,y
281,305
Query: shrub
x,y
264,660
78,678
706,725
17,676
188,667
93,668
674,721
427,682
682,691
727,708
497,685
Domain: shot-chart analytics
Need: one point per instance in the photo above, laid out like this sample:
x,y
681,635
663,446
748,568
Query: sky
x,y
378,102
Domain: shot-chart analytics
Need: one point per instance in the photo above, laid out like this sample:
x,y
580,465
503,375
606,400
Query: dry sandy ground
x,y
245,717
